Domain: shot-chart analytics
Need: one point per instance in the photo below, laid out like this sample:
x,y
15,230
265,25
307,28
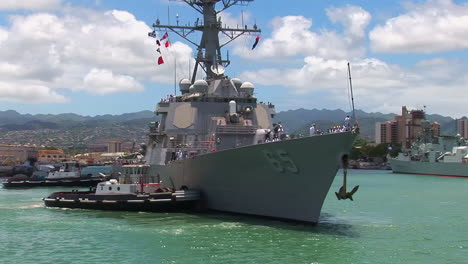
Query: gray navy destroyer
x,y
214,137
437,156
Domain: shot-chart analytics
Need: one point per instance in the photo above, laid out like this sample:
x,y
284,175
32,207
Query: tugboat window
x,y
110,188
118,188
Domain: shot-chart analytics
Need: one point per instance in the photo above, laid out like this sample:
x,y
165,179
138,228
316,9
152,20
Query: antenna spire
x,y
209,48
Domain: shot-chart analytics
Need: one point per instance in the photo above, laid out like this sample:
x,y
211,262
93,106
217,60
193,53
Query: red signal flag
x,y
160,60
257,39
165,36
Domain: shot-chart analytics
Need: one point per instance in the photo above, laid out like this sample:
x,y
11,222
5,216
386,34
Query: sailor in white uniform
x,y
312,129
347,123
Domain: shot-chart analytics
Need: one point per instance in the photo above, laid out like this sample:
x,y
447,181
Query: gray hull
x,y
286,179
430,168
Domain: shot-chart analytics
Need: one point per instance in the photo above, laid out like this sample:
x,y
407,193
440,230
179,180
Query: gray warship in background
x,y
437,156
212,137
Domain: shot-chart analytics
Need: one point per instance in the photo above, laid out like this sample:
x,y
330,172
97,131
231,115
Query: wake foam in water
x,y
29,206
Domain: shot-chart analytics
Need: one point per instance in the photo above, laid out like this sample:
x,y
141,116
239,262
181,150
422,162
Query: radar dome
x,y
200,86
247,88
184,85
237,82
192,89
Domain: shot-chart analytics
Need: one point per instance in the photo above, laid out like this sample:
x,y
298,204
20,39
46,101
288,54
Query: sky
x,y
94,57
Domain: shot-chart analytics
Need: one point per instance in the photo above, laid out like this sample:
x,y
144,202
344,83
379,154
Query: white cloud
x,y
99,81
29,4
233,21
378,86
3,35
29,93
353,18
83,49
321,74
292,35
434,26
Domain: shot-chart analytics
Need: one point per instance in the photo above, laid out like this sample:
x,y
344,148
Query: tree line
x,y
363,150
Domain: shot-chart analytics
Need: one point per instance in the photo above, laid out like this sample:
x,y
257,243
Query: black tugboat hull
x,y
157,202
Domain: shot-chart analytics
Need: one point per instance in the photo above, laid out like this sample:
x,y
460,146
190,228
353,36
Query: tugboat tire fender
x,y
88,201
135,201
159,200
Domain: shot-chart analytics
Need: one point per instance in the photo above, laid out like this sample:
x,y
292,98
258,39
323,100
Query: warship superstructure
x,y
215,137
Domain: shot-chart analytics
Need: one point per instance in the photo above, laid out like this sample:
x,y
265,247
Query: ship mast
x,y
351,89
209,49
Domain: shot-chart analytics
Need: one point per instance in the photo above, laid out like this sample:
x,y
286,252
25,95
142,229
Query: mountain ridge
x,y
13,117
295,121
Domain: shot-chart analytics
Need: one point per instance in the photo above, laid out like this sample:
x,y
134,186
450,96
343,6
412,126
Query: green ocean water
x,y
395,218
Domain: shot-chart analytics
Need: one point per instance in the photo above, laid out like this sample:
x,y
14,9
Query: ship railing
x,y
235,129
195,145
163,104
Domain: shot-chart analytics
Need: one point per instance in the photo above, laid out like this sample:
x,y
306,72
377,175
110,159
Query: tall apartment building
x,y
114,146
435,129
386,132
404,129
462,127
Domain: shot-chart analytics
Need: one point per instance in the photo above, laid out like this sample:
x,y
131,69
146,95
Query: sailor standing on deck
x,y
312,129
276,128
347,123
267,135
278,132
281,134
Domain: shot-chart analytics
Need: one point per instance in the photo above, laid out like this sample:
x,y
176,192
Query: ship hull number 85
x,y
281,161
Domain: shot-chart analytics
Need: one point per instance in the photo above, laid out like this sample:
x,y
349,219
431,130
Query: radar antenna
x,y
209,50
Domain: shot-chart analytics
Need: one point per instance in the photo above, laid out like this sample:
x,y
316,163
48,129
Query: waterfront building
x,y
89,158
51,155
435,129
112,156
17,154
386,132
404,129
97,148
114,146
462,127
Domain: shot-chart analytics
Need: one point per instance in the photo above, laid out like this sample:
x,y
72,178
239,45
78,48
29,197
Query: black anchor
x,y
342,194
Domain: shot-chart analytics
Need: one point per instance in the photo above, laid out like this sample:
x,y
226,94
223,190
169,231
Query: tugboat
x,y
69,174
24,170
134,191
